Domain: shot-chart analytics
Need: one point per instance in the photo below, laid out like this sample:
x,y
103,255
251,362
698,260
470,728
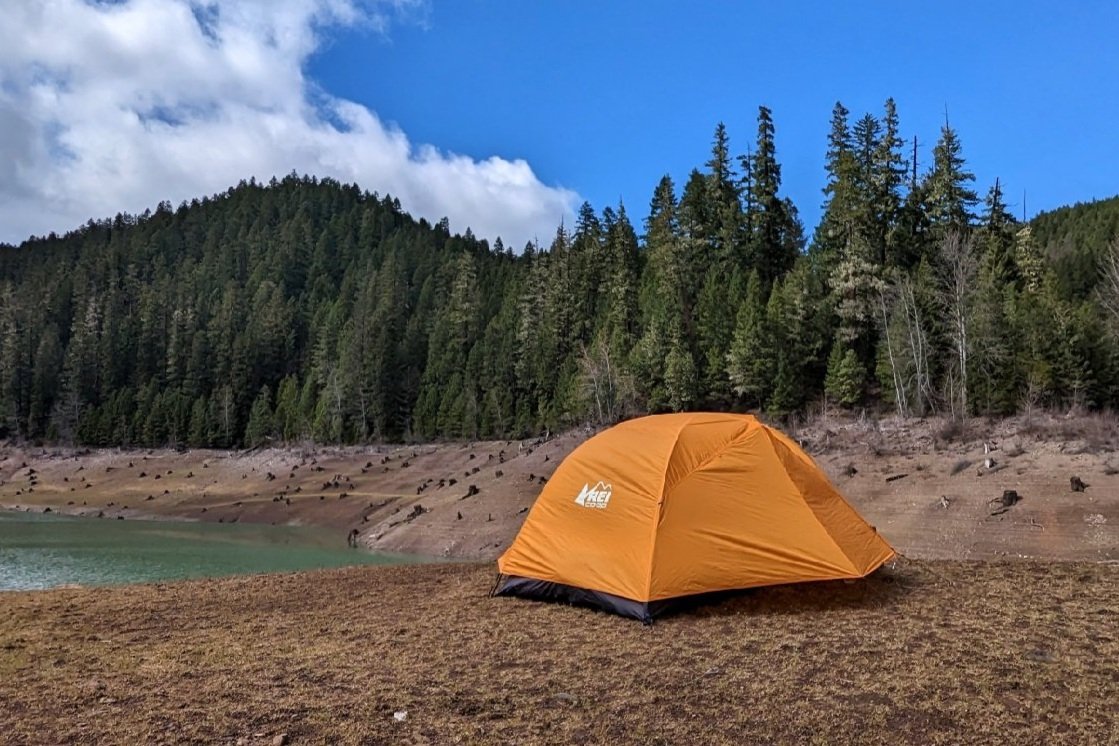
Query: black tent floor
x,y
643,611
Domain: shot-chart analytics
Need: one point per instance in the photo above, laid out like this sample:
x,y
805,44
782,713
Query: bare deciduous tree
x,y
907,346
901,398
608,390
957,288
1109,282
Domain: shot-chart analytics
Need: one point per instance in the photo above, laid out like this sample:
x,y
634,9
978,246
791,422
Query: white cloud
x,y
110,107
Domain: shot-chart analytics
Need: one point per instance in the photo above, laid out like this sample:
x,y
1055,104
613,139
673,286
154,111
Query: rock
x,y
400,716
280,739
567,697
1077,484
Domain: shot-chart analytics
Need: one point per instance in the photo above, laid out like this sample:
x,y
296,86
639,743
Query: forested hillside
x,y
310,309
1077,239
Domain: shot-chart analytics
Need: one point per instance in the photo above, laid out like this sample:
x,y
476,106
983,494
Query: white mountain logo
x,y
596,497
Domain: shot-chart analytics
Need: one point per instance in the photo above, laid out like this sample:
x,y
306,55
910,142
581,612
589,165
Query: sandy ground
x,y
929,652
923,484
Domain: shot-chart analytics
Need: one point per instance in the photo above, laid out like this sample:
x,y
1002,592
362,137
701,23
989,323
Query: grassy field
x,y
922,652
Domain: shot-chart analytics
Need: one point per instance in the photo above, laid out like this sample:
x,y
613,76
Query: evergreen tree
x,y
773,232
667,303
620,320
198,435
288,419
997,239
949,198
679,377
846,376
839,221
749,360
889,168
716,310
726,229
856,285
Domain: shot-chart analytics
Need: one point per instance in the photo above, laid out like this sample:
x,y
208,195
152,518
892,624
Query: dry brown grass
x,y
923,652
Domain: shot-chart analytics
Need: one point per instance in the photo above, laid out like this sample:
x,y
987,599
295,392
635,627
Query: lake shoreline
x,y
39,552
928,490
382,496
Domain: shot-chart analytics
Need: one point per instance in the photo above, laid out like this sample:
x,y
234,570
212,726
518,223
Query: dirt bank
x,y
926,485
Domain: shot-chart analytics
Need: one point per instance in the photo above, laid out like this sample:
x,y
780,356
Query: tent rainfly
x,y
664,507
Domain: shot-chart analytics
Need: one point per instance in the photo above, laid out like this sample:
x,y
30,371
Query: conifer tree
x,y
866,138
261,424
726,229
838,224
679,377
667,303
949,198
890,168
619,320
773,234
997,238
856,285
749,360
846,376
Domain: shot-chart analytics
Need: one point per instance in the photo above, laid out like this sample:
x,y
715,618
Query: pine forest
x,y
306,309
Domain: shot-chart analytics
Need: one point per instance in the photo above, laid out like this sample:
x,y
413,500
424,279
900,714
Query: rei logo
x,y
595,497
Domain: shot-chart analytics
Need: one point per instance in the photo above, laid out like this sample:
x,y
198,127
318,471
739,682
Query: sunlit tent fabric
x,y
668,506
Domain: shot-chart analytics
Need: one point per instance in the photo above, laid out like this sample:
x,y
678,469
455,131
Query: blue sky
x,y
504,115
604,98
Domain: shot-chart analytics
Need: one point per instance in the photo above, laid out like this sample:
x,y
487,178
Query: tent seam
x,y
721,451
662,494
660,506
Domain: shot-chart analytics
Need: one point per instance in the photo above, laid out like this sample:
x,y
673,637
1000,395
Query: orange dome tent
x,y
667,506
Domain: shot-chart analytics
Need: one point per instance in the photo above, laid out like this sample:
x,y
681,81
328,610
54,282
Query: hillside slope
x,y
928,492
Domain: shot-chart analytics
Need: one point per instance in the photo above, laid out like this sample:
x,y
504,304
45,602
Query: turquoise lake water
x,y
44,551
